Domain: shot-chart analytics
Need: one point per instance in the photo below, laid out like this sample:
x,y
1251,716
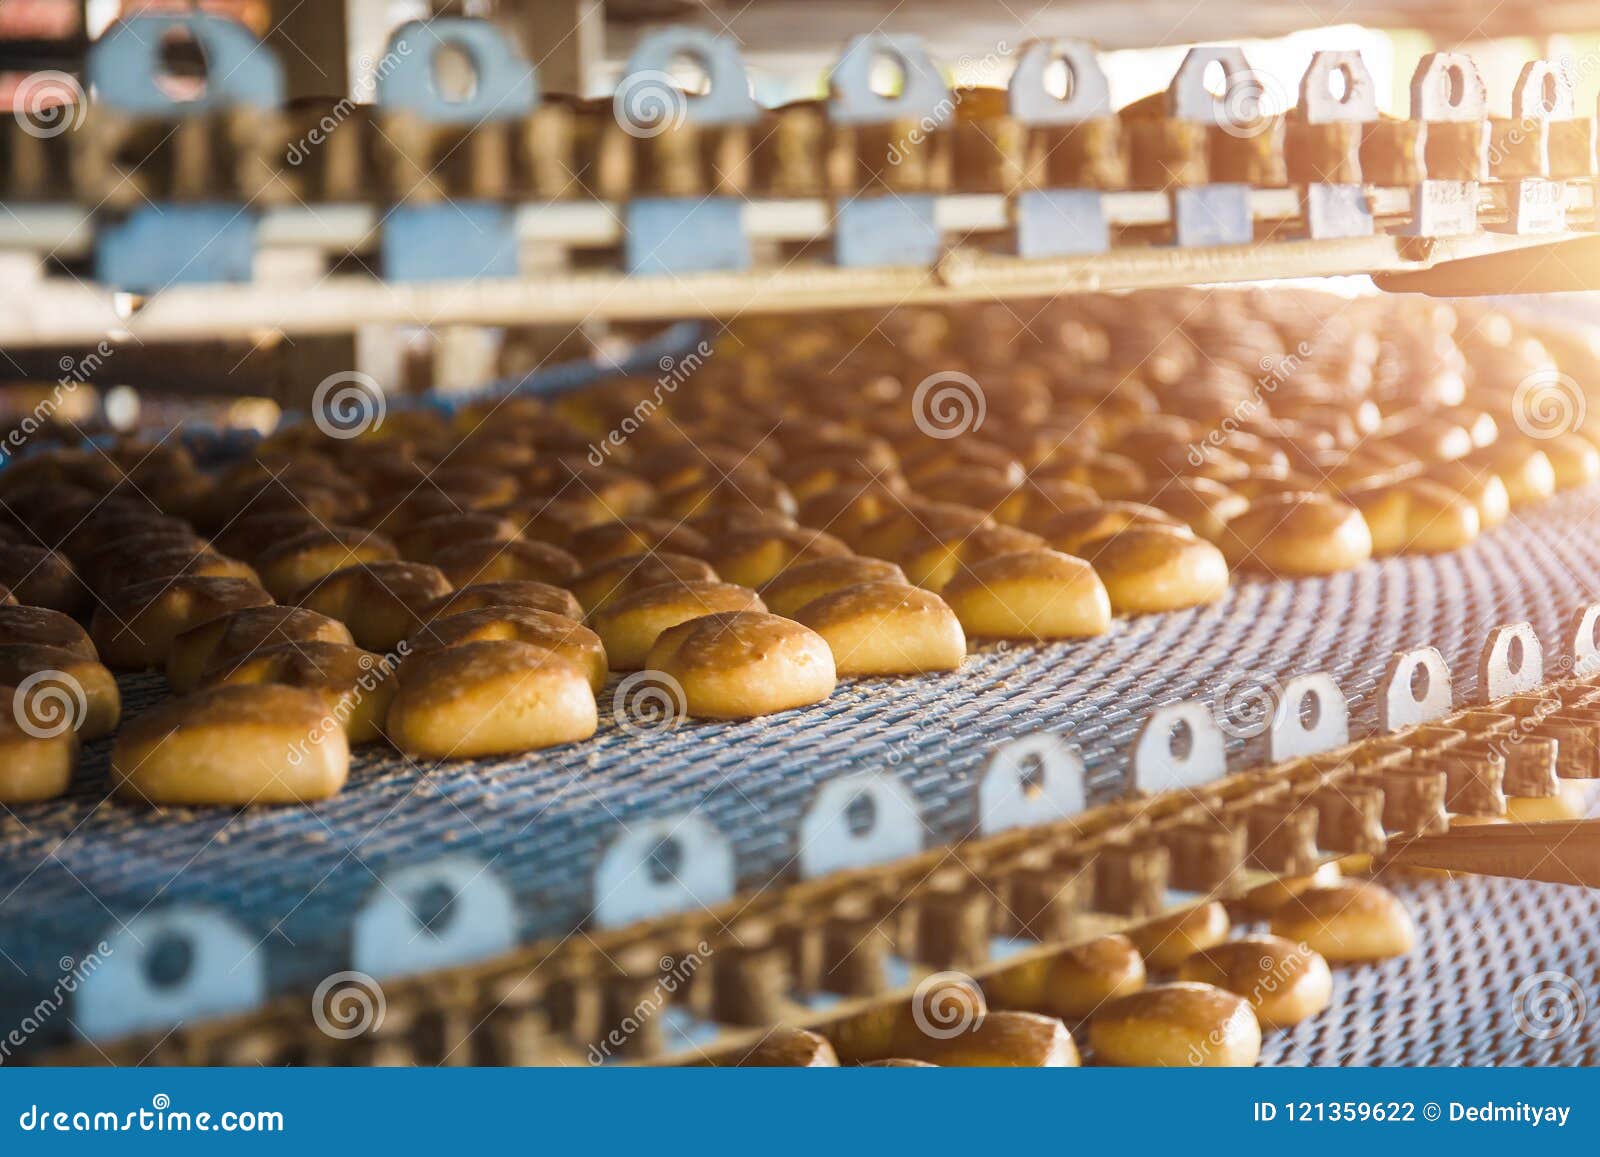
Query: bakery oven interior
x,y
1145,499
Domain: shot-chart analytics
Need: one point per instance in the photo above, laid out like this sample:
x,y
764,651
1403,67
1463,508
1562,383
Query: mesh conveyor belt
x,y
294,877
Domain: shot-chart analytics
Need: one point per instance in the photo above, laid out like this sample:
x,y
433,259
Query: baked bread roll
x,y
231,637
40,577
34,765
742,664
597,586
252,535
45,628
489,560
1073,983
1436,519
59,690
490,697
1479,485
534,596
554,633
629,626
802,582
1523,467
886,628
1265,899
232,746
295,563
1201,504
1005,1040
1347,922
381,602
7,599
1032,594
932,559
1297,534
169,562
912,519
421,541
1177,1025
753,558
1072,532
1574,461
355,686
1168,941
1158,568
134,629
1285,982
713,524
600,544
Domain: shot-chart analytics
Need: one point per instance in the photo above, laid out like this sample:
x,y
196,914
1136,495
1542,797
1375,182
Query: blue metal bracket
x,y
684,234
1543,93
1060,222
1216,214
1446,87
1337,209
168,243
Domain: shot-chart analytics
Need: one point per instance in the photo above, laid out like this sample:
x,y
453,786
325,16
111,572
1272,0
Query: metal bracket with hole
x,y
1399,705
1007,799
1213,214
1159,766
1446,88
1290,737
462,239
225,973
160,244
888,230
1055,222
1511,663
1585,637
833,840
626,887
1537,204
479,919
667,235
1337,209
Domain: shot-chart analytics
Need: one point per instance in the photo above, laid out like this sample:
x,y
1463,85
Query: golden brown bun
x,y
629,626
932,559
60,689
1204,505
1347,922
535,596
1569,803
493,697
297,562
355,685
554,633
235,635
1075,530
1005,1040
1479,485
886,628
169,562
753,558
1437,519
1298,534
41,577
1072,983
421,541
252,535
1177,1025
135,629
600,544
1158,568
744,664
1524,468
1285,982
1265,899
801,583
380,602
33,766
490,560
597,586
1574,461
1167,941
45,628
232,746
1033,594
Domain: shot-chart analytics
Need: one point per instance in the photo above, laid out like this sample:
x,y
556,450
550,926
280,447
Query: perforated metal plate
x,y
295,879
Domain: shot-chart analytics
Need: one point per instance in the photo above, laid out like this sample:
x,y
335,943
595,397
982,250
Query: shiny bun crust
x,y
744,664
629,626
886,628
554,633
233,636
1182,1025
1033,594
